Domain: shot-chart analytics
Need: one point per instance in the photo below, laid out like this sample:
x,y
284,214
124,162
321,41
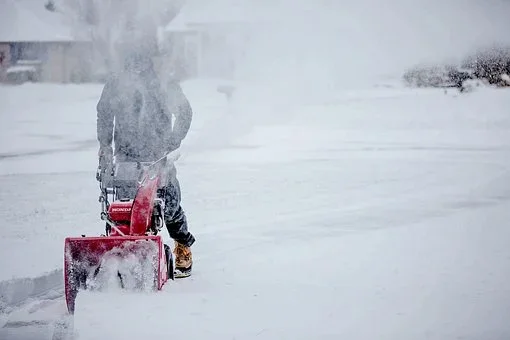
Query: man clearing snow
x,y
136,114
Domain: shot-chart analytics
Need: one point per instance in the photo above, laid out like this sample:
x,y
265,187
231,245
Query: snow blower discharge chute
x,y
131,252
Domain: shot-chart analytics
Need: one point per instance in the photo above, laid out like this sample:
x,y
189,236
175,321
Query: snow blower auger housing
x,y
131,250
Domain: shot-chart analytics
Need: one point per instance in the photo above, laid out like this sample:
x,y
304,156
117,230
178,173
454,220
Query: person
x,y
135,114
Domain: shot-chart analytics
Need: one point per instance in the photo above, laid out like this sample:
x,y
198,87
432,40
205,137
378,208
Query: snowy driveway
x,y
381,214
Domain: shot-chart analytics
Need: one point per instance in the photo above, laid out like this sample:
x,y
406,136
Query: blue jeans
x,y
175,218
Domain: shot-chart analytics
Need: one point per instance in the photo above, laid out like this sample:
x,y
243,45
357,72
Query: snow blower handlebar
x,y
171,156
106,169
106,164
106,176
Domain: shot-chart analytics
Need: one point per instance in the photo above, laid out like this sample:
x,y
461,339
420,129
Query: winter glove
x,y
105,161
174,144
105,155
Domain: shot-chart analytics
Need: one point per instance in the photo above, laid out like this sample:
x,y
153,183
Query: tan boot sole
x,y
178,274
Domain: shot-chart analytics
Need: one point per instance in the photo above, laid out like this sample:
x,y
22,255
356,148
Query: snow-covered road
x,y
377,214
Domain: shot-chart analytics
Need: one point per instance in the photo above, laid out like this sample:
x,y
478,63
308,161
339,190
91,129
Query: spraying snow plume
x,y
309,39
119,27
295,48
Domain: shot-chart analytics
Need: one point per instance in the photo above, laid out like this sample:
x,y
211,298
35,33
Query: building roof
x,y
30,21
195,13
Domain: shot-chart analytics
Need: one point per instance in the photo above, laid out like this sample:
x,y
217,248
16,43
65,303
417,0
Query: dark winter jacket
x,y
135,112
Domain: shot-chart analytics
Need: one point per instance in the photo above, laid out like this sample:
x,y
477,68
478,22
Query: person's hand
x,y
174,144
105,154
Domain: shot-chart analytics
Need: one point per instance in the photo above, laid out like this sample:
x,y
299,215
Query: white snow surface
x,y
380,213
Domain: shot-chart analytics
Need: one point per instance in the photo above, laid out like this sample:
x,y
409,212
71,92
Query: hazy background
x,y
319,41
310,48
342,42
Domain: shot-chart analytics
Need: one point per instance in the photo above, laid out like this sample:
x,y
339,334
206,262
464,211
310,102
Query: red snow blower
x,y
130,254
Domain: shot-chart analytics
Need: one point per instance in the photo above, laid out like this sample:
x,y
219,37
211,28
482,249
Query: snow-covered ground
x,y
378,213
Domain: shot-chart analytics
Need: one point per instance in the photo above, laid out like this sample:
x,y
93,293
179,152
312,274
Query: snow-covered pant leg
x,y
175,218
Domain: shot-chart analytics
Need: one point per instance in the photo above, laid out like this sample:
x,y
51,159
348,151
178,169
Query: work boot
x,y
183,260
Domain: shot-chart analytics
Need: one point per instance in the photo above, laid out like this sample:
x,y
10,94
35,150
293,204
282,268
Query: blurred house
x,y
37,45
207,39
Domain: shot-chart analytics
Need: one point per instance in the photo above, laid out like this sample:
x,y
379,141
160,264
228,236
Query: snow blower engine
x,y
131,251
